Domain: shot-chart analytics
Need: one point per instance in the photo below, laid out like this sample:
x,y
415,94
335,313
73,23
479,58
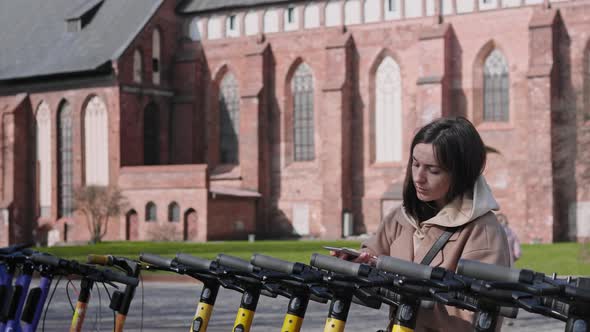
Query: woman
x,y
444,190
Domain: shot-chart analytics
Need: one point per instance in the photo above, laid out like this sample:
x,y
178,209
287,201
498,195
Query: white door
x,y
301,218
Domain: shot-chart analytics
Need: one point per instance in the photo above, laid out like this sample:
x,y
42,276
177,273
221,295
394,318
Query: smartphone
x,y
352,253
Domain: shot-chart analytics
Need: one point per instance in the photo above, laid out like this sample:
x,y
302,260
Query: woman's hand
x,y
364,257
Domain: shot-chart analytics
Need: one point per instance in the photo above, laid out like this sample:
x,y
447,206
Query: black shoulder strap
x,y
438,245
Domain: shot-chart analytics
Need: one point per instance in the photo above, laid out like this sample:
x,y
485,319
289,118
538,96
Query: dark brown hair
x,y
458,149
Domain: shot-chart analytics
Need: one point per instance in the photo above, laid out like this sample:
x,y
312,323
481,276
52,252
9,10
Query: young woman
x,y
444,189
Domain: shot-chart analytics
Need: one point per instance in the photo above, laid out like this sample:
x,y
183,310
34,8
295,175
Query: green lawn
x,y
562,258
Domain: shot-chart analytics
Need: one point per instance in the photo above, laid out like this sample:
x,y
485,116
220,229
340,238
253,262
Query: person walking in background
x,y
513,241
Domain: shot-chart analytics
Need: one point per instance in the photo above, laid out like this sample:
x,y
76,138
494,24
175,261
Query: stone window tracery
x,y
66,192
303,113
229,120
496,87
388,112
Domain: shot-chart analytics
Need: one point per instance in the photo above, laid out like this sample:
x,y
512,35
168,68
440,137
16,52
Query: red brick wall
x,y
230,218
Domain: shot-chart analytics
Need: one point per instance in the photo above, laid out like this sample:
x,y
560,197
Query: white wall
x,y
413,8
466,6
214,27
311,16
372,10
333,14
352,12
251,23
271,20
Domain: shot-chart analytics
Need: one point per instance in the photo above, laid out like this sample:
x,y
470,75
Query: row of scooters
x,y
490,291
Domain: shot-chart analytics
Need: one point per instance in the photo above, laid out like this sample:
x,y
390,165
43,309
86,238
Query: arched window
x,y
496,86
229,120
137,66
586,113
311,16
303,115
43,121
251,23
65,171
388,112
151,135
151,212
96,143
156,61
232,28
333,14
173,212
291,18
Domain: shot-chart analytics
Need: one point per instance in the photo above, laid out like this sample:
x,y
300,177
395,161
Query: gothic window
x,y
173,212
391,9
232,28
156,61
229,120
586,113
137,66
151,212
291,19
65,171
96,143
303,115
151,135
496,85
43,134
388,112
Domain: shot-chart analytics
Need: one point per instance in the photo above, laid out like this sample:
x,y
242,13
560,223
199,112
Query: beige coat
x,y
479,237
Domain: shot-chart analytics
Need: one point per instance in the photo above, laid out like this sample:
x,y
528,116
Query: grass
x,y
562,258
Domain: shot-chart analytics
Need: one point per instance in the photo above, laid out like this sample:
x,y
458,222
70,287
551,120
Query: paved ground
x,y
169,306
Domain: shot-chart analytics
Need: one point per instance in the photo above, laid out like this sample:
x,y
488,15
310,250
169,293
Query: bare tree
x,y
99,204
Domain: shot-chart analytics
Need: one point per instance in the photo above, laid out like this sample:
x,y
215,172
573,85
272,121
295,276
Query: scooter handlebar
x,y
46,259
194,262
235,263
488,272
338,265
120,278
403,267
156,260
273,264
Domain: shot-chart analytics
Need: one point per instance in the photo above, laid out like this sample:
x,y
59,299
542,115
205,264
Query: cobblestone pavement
x,y
169,306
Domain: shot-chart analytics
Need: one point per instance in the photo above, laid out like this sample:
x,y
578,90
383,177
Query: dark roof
x,y
34,38
196,6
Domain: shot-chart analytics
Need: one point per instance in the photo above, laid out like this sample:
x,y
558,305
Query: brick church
x,y
219,119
